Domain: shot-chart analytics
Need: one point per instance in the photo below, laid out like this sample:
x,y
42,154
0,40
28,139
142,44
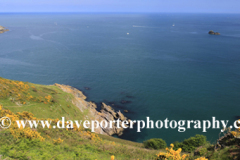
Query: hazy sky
x,y
205,6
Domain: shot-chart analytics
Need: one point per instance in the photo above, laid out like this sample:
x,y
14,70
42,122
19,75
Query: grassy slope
x,y
74,146
63,106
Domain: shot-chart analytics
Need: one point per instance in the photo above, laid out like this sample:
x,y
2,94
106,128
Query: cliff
x,y
3,29
106,113
28,101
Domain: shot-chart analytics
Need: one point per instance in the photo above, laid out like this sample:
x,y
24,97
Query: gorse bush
x,y
172,154
19,92
190,144
42,143
57,141
155,143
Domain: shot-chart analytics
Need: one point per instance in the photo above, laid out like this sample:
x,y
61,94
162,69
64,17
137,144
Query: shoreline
x,y
106,113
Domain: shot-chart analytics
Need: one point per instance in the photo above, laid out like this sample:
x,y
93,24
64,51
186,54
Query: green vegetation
x,y
41,100
155,143
190,144
23,100
73,146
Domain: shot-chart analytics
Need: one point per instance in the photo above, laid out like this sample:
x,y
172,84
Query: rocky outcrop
x,y
213,33
226,140
106,113
3,29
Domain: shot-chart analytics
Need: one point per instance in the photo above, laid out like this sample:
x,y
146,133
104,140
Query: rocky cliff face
x,y
106,113
3,29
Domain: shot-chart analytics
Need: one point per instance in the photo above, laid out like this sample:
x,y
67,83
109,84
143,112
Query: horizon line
x,y
119,12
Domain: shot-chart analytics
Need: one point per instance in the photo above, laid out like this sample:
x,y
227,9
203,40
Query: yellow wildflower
x,y
112,157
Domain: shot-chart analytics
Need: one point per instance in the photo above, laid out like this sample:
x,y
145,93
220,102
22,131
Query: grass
x,y
16,97
51,102
74,146
62,106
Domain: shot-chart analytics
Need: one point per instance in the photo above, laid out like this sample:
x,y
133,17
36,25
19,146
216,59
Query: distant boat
x,y
127,33
173,25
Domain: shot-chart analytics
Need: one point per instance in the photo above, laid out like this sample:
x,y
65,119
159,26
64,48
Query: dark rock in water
x,y
237,117
121,107
111,103
126,111
124,102
213,33
86,88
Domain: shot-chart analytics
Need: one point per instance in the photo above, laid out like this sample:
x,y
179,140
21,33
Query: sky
x,y
194,6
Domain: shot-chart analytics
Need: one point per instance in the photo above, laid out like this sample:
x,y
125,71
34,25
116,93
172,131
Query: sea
x,y
156,65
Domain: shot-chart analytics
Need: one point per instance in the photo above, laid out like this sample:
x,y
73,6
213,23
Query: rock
x,y
111,103
226,140
213,33
121,116
237,117
126,111
106,113
106,108
86,88
72,90
3,29
129,120
124,102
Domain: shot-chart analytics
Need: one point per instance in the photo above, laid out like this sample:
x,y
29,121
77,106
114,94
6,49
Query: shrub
x,y
203,151
155,143
178,145
34,89
190,144
172,154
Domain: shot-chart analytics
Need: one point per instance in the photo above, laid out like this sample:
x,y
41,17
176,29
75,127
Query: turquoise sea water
x,y
167,66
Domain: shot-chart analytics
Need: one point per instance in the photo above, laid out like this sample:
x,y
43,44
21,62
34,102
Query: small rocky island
x,y
213,33
3,29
